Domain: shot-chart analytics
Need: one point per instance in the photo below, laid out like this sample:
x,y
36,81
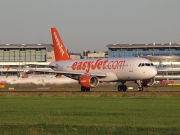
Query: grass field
x,y
87,113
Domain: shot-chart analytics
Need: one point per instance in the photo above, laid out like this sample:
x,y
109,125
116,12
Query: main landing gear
x,y
122,87
140,88
83,89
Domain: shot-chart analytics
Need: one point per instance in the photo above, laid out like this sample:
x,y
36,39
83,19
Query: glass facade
x,y
150,51
23,54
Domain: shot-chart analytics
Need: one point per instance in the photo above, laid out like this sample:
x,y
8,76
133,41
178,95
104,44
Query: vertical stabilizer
x,y
59,49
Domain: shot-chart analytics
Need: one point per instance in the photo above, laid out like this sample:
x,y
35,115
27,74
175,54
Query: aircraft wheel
x,y
119,88
140,88
83,89
124,87
87,89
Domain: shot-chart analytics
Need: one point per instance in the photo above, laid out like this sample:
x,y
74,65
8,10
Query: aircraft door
x,y
130,67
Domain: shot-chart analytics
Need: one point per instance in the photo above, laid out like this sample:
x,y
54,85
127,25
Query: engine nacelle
x,y
89,81
148,82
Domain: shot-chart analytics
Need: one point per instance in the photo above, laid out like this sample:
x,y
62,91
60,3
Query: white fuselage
x,y
115,69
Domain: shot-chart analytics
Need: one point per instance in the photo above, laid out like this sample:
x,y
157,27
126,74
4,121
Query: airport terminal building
x,y
22,53
144,50
16,58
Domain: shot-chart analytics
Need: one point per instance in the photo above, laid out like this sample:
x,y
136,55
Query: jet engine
x,y
89,81
148,82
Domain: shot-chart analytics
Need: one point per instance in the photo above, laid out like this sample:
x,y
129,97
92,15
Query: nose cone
x,y
153,71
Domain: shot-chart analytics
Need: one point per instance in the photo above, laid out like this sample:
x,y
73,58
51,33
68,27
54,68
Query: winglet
x,y
59,49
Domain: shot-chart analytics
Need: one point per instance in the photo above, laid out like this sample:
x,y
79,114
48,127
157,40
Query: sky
x,y
90,24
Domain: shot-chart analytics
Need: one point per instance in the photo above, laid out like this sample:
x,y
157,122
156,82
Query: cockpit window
x,y
148,64
145,64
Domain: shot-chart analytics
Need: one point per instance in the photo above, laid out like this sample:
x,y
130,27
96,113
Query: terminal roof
x,y
48,46
152,45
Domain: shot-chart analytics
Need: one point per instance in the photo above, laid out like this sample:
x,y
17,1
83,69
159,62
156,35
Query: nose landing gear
x,y
140,88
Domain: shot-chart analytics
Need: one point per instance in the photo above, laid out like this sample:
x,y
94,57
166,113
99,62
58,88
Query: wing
x,y
80,73
68,73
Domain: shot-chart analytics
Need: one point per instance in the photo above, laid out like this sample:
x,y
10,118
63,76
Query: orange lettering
x,y
109,65
84,65
99,65
79,66
95,65
115,65
89,66
74,66
121,64
104,64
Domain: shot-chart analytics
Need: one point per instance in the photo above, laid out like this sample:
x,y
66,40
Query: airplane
x,y
91,72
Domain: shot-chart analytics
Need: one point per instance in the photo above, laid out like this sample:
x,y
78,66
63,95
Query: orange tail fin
x,y
59,49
